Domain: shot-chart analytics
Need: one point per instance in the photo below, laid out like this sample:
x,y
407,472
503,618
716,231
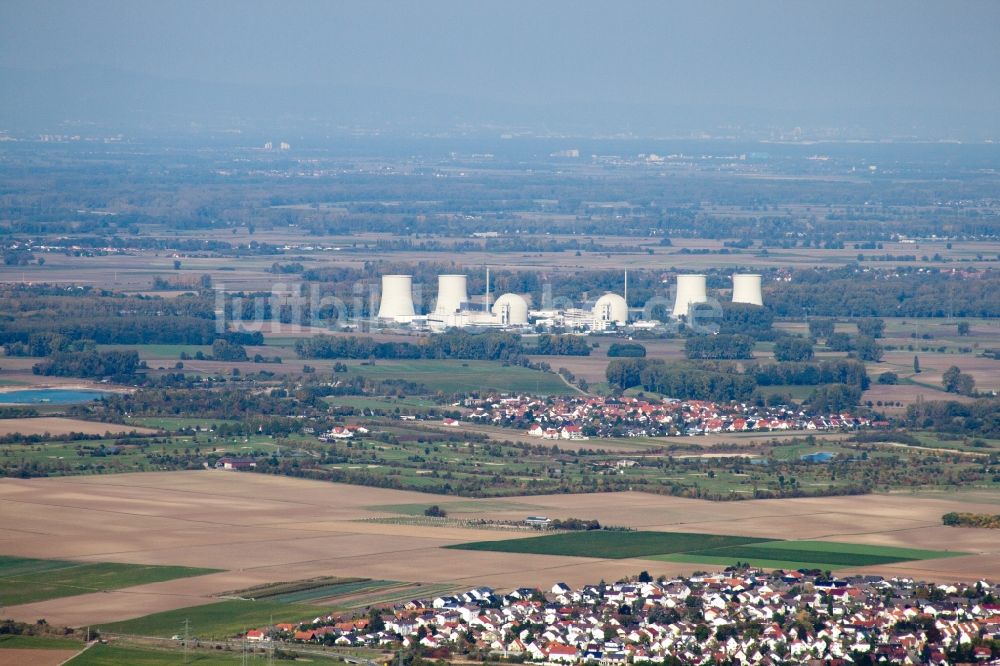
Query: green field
x,y
377,403
172,423
610,544
12,642
708,549
327,592
804,555
462,376
114,655
24,580
219,620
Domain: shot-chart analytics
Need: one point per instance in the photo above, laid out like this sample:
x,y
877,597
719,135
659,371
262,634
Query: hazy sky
x,y
772,55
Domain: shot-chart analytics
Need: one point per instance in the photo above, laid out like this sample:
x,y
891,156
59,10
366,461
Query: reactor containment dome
x,y
690,291
511,310
397,298
746,289
452,292
611,308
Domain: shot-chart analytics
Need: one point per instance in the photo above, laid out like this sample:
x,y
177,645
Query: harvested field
x,y
55,425
266,529
22,656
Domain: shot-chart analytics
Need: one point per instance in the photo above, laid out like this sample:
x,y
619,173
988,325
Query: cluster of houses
x,y
583,417
739,617
342,432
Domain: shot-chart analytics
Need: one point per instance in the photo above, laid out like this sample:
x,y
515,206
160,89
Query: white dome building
x,y
511,309
611,308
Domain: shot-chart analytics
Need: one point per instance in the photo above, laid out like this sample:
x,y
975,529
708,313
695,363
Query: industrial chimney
x,y
746,289
690,290
452,292
397,298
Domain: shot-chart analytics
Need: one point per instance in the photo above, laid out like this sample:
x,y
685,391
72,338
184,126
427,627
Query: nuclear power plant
x,y
454,308
452,292
746,289
397,299
690,291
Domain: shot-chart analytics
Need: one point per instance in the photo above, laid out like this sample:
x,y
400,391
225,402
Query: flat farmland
x,y
263,529
453,376
57,425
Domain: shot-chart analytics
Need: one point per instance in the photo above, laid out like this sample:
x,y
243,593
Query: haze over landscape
x,y
924,70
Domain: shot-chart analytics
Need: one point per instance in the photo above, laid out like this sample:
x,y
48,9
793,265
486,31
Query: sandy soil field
x,y
21,657
57,425
261,528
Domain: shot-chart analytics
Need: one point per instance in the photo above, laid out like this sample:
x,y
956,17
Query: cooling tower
x,y
397,298
611,307
451,294
746,289
511,309
690,290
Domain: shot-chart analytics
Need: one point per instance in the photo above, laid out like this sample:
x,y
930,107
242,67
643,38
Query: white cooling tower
x,y
611,308
452,292
690,290
397,298
511,309
746,289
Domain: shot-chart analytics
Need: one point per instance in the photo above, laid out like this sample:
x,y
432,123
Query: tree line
x,y
487,346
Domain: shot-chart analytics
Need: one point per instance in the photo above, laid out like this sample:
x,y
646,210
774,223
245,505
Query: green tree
x,y
888,378
868,349
872,328
950,379
821,328
793,349
916,364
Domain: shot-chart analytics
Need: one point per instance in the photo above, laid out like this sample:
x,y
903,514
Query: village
x,y
740,616
585,417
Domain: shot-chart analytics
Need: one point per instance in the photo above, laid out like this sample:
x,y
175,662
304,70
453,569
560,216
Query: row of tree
x,y
487,346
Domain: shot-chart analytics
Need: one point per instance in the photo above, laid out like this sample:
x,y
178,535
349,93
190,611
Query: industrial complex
x,y
454,308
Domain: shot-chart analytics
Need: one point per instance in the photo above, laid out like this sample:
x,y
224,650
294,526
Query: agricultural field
x,y
114,654
610,544
215,621
805,554
270,530
53,425
26,580
451,377
716,549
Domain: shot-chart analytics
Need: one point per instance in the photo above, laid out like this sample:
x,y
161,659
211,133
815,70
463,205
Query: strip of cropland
x,y
709,549
610,544
25,580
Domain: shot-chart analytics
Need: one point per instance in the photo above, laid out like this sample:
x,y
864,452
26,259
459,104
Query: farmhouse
x,y
235,463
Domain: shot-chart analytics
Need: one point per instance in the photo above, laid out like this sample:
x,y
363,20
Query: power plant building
x,y
511,310
610,309
452,293
690,291
396,304
455,309
746,289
